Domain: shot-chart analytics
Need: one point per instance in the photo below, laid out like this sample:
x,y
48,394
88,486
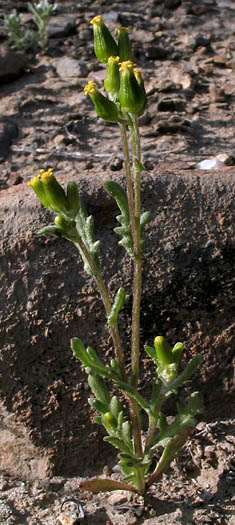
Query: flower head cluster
x,y
53,196
123,82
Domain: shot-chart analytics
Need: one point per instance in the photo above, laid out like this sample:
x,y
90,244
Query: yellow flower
x,y
127,65
131,95
90,88
105,108
49,191
96,20
104,44
112,77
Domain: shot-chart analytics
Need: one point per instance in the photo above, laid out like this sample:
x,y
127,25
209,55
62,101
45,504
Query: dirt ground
x,y
187,52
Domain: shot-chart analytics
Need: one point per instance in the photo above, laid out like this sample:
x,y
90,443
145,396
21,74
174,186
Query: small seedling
x,y
122,103
24,38
21,37
42,13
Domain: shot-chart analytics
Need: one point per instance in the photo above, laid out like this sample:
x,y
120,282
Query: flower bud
x,y
131,95
177,352
163,351
124,44
54,191
73,198
109,422
49,191
39,189
104,44
66,226
105,108
112,76
139,78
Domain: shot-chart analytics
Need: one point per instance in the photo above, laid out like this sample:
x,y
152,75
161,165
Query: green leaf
x,y
119,194
117,305
90,360
115,406
99,389
152,353
126,434
105,485
97,405
79,351
126,387
118,443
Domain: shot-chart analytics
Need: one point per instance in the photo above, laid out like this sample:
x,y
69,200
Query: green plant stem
x,y
136,426
137,285
150,434
133,406
140,481
107,304
153,422
129,181
168,454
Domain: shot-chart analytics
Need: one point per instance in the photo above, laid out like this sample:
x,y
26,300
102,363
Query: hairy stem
x,y
129,181
137,286
153,422
107,304
133,406
168,454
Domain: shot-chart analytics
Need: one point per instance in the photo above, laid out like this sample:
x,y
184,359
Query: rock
x,y
111,17
209,164
165,85
201,41
98,76
46,298
12,64
178,76
226,159
8,132
165,519
118,497
116,164
172,4
14,179
143,36
216,93
62,25
220,60
198,9
69,69
171,104
157,52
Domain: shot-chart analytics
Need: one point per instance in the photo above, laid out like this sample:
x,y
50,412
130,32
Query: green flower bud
x,y
39,189
112,76
73,198
109,422
163,351
131,95
66,226
104,44
105,108
167,373
49,191
177,352
124,44
139,78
